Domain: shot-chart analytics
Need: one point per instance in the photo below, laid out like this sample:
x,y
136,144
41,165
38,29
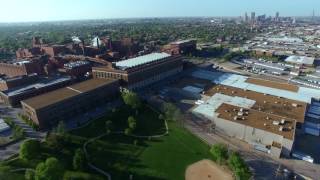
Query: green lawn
x,y
164,158
159,158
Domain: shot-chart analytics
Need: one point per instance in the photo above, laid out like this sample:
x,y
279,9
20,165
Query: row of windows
x,y
108,75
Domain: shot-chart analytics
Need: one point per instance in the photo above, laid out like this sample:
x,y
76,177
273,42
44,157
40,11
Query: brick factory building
x,y
20,68
142,71
77,69
9,83
12,97
181,47
48,109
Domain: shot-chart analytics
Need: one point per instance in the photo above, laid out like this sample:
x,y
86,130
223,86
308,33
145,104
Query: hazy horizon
x,y
64,10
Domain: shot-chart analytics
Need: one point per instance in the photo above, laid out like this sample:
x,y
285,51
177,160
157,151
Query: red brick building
x,y
180,47
141,71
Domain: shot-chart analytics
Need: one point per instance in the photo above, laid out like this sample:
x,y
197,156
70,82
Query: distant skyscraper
x,y
246,18
253,17
277,16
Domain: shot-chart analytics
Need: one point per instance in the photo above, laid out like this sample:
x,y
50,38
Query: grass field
x,y
159,158
164,158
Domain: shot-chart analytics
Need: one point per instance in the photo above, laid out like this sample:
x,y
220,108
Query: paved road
x,y
264,167
13,148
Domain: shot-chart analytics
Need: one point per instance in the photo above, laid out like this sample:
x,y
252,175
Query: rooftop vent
x,y
281,128
277,123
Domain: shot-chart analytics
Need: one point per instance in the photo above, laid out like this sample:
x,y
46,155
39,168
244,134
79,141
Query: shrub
x,y
239,167
128,131
219,153
79,160
29,149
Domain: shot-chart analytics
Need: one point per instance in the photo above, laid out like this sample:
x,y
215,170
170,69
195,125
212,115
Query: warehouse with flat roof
x,y
48,109
266,122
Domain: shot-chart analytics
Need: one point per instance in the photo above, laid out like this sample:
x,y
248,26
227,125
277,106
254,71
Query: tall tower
x,y
253,17
313,15
246,18
277,16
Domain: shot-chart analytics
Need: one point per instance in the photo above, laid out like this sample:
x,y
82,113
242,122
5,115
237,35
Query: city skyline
x,y
56,10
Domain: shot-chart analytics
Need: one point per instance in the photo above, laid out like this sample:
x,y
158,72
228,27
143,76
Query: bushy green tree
x,y
29,149
29,174
49,170
240,168
131,99
61,128
109,126
79,160
132,123
219,153
128,131
171,112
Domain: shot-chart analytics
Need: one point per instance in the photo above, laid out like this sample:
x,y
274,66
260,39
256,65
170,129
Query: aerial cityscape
x,y
122,90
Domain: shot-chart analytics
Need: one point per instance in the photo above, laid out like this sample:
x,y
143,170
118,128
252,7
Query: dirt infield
x,y
277,85
207,170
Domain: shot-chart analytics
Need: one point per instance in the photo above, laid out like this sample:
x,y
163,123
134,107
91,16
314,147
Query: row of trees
x,y
221,155
50,169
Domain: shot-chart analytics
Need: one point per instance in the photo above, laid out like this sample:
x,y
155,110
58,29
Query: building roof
x,y
133,62
267,103
258,119
56,96
41,84
300,60
182,41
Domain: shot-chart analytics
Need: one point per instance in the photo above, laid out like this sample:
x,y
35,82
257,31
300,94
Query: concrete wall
x,y
252,135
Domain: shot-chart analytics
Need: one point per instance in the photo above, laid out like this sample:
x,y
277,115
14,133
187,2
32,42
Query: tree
x,y
61,128
132,123
49,170
79,160
109,126
131,99
240,168
29,149
171,112
128,131
29,174
219,153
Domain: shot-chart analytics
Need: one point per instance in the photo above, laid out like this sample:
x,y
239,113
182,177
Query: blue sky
x,y
48,10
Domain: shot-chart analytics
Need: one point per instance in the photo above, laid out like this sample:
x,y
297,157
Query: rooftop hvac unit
x,y
283,121
277,123
240,113
276,102
281,128
268,118
294,104
241,109
235,118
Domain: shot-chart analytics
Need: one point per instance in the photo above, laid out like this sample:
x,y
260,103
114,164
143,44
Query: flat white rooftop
x,y
238,81
209,108
300,60
133,62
